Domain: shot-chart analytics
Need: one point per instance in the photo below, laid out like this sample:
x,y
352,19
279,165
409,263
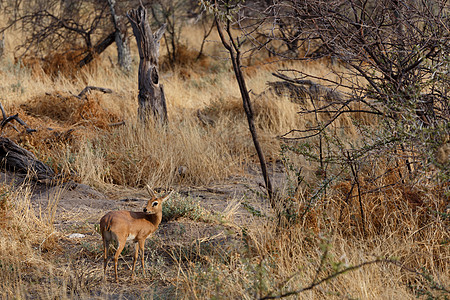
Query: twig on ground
x,y
95,88
6,120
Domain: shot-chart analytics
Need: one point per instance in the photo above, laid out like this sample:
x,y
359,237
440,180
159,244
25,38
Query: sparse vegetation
x,y
183,207
362,205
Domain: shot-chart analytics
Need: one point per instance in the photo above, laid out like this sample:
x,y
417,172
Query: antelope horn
x,y
150,191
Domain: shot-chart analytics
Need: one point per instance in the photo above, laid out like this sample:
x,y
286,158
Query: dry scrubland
x,y
253,257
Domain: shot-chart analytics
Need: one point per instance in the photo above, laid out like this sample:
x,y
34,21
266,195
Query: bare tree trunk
x,y
2,45
121,39
235,55
151,93
99,48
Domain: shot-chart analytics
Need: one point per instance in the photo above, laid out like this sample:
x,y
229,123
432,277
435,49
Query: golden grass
x,y
25,239
153,155
274,260
401,223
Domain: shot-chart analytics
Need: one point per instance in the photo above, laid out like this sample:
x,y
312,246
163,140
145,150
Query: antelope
x,y
126,225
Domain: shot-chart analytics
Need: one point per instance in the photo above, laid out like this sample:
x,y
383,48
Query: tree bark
x,y
151,93
2,45
235,56
99,48
22,162
123,48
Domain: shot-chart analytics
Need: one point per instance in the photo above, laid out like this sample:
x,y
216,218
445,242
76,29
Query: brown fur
x,y
120,225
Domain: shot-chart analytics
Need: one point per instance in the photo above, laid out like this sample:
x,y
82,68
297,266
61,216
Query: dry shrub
x,y
65,63
268,64
383,201
32,63
59,107
389,205
5,206
281,259
70,110
401,220
187,61
63,122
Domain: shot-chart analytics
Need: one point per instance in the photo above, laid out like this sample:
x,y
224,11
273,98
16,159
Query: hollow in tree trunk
x,y
151,93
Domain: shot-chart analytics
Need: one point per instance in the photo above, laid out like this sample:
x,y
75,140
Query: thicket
x,y
364,145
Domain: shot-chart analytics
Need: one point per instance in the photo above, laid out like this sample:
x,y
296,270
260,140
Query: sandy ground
x,y
78,209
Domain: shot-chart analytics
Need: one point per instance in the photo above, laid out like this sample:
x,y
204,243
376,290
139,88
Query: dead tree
x,y
121,38
18,160
54,26
151,93
22,162
2,45
97,49
233,46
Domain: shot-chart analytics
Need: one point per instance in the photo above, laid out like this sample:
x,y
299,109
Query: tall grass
x,y
25,238
154,155
273,260
405,223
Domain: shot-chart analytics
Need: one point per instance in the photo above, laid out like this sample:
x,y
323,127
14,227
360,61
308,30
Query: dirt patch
x,y
73,197
174,246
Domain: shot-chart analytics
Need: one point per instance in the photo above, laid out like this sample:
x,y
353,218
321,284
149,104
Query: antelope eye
x,y
154,203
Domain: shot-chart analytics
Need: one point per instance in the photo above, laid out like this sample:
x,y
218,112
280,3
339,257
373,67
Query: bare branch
x,y
349,269
89,88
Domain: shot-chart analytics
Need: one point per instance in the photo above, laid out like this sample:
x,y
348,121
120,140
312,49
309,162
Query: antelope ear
x,y
150,191
167,196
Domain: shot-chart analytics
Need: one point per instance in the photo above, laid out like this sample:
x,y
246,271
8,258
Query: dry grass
x,y
26,239
404,223
275,261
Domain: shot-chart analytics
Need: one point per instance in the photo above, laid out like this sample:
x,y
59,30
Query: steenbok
x,y
128,225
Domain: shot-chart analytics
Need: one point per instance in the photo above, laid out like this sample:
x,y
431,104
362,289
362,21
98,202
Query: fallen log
x,y
22,162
